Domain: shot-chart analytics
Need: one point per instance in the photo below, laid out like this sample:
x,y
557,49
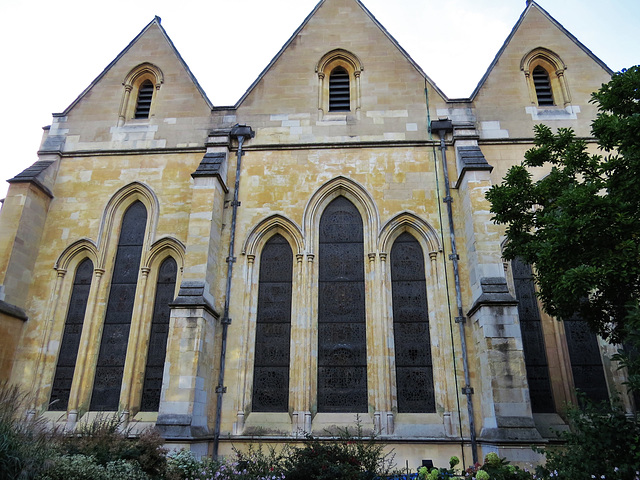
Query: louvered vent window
x,y
339,99
543,86
145,95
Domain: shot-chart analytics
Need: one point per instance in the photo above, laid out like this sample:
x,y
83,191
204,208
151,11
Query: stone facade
x,y
405,157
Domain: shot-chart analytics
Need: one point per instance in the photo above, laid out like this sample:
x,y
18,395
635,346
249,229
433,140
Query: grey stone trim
x,y
472,158
211,165
494,292
191,295
30,175
174,426
512,429
13,311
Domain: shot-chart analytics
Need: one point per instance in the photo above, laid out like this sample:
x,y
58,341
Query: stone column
x,y
500,384
189,373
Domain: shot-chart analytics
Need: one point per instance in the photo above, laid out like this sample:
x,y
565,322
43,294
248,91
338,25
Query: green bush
x,y
104,440
26,445
603,443
83,467
346,456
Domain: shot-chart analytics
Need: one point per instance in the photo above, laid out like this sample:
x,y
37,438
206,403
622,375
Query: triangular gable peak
x,y
293,37
155,23
530,6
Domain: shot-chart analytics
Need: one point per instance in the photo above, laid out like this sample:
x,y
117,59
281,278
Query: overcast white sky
x,y
52,50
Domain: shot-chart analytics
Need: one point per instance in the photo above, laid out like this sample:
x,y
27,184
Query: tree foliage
x,y
580,224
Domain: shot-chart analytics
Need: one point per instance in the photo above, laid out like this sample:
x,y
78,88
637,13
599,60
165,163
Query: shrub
x,y
602,443
26,446
104,440
182,465
347,456
83,467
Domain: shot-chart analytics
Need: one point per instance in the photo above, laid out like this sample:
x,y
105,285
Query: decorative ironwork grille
x,y
342,343
165,292
414,371
586,362
70,343
273,328
535,355
117,322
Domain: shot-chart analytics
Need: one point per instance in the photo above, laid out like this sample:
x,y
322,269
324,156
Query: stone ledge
x,y
191,295
13,311
494,292
179,427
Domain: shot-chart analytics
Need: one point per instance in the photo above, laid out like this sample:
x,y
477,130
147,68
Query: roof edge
x,y
277,55
530,5
157,21
402,51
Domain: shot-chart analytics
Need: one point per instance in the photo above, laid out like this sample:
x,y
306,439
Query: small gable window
x,y
339,99
339,74
544,72
145,95
542,85
141,86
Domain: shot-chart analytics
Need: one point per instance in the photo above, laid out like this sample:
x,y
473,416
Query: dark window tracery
x,y
586,362
273,328
535,355
70,343
117,322
414,366
342,346
165,290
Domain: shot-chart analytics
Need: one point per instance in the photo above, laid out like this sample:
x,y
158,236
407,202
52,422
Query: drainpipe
x,y
443,127
241,133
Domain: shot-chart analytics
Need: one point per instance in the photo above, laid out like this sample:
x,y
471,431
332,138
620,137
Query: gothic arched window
x,y
273,328
117,322
342,343
71,337
165,292
414,371
535,356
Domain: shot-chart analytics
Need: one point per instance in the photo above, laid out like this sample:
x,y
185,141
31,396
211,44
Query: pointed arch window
x,y
414,367
117,322
542,84
342,345
273,328
145,95
71,337
586,362
535,355
339,97
165,292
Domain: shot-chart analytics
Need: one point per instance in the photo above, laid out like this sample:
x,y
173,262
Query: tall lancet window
x,y
165,291
273,328
342,343
535,355
414,371
71,337
117,322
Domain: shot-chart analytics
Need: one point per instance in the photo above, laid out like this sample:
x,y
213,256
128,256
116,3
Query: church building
x,y
319,254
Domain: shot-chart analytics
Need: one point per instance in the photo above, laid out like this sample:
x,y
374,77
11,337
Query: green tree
x,y
580,224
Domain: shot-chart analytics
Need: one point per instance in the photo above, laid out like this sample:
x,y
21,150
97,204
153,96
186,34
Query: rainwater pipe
x,y
241,133
443,127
